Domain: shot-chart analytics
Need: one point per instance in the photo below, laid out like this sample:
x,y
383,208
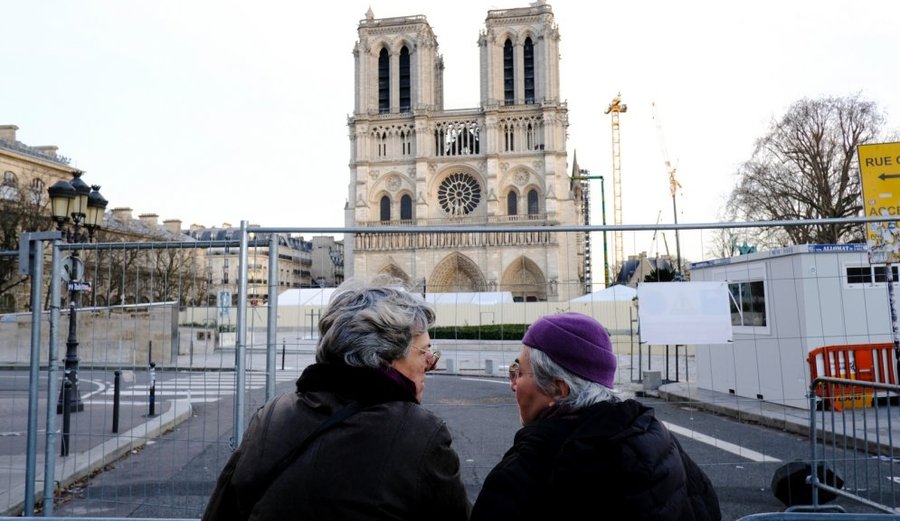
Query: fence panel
x,y
164,353
856,440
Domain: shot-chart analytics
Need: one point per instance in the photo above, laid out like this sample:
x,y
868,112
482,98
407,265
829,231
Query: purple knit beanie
x,y
576,342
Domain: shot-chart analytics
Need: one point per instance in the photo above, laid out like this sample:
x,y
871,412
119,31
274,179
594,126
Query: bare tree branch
x,y
806,168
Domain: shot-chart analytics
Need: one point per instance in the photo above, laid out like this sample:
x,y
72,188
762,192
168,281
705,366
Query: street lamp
x,y
75,204
337,261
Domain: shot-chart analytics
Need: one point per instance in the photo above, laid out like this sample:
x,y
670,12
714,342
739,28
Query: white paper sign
x,y
671,313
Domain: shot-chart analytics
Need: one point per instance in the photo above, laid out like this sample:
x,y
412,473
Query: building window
x,y
859,275
382,143
509,82
9,189
748,303
881,274
38,188
404,80
457,138
406,141
529,71
459,194
406,208
509,138
870,274
512,203
534,207
385,208
384,82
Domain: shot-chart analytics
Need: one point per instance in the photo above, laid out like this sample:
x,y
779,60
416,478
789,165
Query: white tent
x,y
483,298
305,297
618,292
321,296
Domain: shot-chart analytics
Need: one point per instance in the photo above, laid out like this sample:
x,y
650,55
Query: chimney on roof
x,y
50,150
8,133
172,225
149,219
121,214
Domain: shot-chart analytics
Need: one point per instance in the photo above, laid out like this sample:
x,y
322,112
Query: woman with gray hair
x,y
581,448
353,441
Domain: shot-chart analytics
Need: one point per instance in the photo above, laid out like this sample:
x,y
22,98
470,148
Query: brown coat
x,y
391,460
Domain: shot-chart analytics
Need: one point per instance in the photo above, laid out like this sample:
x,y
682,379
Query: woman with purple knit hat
x,y
582,449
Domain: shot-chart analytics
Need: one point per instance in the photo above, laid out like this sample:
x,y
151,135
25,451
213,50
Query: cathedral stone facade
x,y
500,166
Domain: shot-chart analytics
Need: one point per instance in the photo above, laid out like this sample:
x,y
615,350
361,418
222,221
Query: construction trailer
x,y
785,304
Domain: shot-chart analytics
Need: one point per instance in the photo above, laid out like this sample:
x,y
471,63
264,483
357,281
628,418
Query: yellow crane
x,y
674,185
615,108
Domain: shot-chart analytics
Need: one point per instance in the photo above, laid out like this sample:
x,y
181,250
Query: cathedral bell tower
x,y
413,163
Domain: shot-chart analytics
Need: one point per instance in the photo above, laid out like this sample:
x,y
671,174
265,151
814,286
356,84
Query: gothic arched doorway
x,y
394,271
456,273
525,280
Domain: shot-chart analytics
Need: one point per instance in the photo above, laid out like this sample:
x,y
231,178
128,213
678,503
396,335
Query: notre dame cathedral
x,y
503,164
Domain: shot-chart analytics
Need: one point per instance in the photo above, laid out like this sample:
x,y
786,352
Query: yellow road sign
x,y
879,170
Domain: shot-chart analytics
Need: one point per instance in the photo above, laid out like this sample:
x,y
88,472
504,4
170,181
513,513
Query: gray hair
x,y
371,325
582,393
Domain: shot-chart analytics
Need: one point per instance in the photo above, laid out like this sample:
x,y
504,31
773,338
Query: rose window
x,y
459,194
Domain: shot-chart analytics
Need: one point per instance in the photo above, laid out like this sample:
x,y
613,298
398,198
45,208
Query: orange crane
x,y
674,185
615,108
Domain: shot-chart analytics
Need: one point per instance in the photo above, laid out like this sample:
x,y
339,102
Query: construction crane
x,y
674,185
615,108
654,246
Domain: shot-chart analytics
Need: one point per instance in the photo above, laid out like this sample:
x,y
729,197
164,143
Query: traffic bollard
x,y
117,385
67,417
152,389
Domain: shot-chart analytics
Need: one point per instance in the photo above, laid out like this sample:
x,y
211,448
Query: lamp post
x,y
337,261
78,211
603,218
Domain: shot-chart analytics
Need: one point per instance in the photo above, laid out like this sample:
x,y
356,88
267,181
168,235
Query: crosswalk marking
x,y
197,387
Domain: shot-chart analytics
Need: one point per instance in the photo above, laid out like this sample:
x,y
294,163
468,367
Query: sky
x,y
218,111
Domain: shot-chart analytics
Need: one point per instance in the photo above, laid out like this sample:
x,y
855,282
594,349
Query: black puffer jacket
x,y
390,461
614,460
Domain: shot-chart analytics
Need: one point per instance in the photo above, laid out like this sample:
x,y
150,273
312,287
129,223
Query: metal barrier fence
x,y
210,366
819,516
855,442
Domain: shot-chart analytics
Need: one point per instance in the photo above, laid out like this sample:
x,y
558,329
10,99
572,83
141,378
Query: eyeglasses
x,y
515,371
435,356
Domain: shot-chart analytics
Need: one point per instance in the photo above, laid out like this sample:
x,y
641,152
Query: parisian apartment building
x,y
206,268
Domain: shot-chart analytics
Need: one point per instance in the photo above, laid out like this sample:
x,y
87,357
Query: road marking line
x,y
503,381
720,444
692,434
101,387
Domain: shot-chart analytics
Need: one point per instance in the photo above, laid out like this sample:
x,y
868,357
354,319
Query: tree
x,y
806,168
20,210
661,274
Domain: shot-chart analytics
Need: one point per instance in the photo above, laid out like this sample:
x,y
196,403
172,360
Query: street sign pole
x,y
879,170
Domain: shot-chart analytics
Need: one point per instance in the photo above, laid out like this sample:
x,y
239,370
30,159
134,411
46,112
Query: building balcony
x,y
536,219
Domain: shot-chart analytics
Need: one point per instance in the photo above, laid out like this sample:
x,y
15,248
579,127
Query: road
x,y
173,476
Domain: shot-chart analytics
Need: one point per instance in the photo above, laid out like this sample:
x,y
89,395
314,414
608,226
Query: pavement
x,y
92,446
95,445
